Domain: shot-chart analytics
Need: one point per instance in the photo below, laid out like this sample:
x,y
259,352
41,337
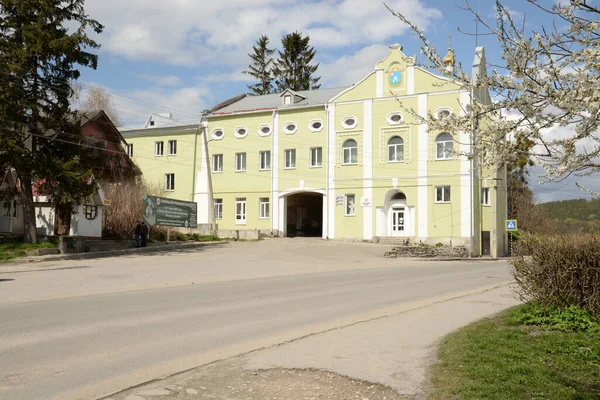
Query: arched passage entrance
x,y
303,214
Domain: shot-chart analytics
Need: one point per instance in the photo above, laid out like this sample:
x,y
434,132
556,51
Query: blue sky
x,y
183,56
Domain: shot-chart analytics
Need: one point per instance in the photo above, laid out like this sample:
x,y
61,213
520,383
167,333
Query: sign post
x,y
161,211
511,225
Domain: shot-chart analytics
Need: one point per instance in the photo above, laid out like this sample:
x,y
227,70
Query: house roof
x,y
273,101
88,117
163,122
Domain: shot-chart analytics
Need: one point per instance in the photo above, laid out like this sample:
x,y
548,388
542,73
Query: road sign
x,y
169,212
511,225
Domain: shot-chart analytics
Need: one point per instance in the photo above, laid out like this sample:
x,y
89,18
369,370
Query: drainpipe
x,y
472,172
211,200
327,188
194,163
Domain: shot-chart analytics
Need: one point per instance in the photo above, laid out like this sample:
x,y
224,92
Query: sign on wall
x,y
162,211
339,200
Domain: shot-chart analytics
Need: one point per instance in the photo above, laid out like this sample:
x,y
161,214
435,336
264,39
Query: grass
x,y
9,251
524,353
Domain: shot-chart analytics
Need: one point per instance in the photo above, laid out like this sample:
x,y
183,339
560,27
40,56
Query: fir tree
x,y
293,69
40,136
260,69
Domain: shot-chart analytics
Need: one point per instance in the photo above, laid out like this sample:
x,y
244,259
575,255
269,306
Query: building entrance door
x,y
398,222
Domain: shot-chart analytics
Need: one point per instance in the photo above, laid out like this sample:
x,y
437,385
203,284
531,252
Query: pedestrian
x,y
138,234
144,234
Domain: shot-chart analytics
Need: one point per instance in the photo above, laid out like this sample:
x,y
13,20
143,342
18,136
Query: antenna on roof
x,y
477,25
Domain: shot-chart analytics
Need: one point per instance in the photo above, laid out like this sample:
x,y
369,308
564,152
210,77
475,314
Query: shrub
x,y
570,319
559,270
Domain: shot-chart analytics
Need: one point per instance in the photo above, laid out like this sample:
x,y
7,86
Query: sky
x,y
183,56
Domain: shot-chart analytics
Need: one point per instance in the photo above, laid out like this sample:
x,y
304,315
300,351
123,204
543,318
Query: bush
x,y
559,270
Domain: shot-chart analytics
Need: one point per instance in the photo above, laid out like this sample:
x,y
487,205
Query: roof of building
x,y
273,101
160,122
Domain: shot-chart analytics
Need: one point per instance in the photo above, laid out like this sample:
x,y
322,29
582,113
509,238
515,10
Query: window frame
x,y
215,137
218,208
239,128
448,155
171,187
441,110
290,131
157,145
172,145
487,197
6,211
260,130
237,156
392,122
443,193
129,149
396,145
319,152
88,210
344,148
289,165
241,201
264,208
313,129
218,170
349,126
266,153
346,206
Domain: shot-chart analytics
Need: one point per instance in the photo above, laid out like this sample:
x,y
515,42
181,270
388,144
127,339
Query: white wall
x,y
44,219
80,226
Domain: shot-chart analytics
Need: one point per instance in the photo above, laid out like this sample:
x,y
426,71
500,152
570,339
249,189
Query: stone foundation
x,y
429,252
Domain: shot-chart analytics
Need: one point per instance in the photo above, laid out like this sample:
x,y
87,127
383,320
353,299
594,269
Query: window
x,y
349,122
240,162
444,145
170,182
485,196
218,163
172,147
350,149
350,208
159,148
264,130
91,212
316,157
395,118
218,208
290,158
241,132
240,210
15,213
315,125
265,160
218,134
151,123
264,207
442,113
287,100
290,128
395,149
6,209
129,150
442,194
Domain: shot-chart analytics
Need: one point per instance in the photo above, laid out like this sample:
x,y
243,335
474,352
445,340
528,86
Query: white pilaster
x,y
331,164
466,184
201,195
275,173
422,171
410,80
379,75
368,169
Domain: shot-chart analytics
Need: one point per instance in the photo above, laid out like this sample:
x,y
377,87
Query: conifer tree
x,y
293,69
260,69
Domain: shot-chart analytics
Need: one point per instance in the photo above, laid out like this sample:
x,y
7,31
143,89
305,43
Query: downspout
x,y
211,200
327,188
472,172
194,163
273,200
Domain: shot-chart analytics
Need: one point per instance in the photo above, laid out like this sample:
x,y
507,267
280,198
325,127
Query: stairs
x,y
107,245
394,240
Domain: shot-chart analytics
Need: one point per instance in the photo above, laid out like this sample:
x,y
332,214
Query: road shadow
x,y
6,280
147,251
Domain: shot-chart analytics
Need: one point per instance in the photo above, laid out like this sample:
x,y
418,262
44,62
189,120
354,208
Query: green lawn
x,y
503,359
8,251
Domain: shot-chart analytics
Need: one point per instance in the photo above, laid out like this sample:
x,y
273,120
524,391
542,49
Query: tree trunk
x,y
26,196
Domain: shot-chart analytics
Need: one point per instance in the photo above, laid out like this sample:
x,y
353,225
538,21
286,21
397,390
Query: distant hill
x,y
572,210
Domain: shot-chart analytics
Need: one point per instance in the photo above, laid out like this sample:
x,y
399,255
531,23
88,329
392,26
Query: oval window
x,y
218,133
443,114
241,132
350,121
266,130
317,125
396,118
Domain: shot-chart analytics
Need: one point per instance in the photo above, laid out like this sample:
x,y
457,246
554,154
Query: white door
x,y
398,221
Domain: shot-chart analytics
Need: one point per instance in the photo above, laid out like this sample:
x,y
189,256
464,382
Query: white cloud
x,y
171,80
350,69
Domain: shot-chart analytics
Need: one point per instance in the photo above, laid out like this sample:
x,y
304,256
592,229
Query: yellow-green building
x,y
342,163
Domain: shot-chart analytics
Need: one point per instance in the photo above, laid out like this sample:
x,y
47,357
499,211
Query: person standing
x,y
144,234
138,234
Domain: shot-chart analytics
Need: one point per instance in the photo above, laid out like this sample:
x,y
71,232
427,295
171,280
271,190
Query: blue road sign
x,y
511,225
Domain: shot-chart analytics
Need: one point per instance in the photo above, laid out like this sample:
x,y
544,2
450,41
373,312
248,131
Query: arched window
x,y
444,145
350,149
395,149
399,196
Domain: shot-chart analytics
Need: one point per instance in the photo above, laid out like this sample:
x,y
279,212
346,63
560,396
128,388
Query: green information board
x,y
162,211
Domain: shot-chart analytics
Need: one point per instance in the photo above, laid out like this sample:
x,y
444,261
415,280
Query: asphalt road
x,y
61,343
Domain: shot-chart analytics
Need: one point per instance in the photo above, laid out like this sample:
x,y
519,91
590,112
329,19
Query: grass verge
x,y
524,353
9,251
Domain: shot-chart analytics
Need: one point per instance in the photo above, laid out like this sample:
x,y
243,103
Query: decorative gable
x,y
289,97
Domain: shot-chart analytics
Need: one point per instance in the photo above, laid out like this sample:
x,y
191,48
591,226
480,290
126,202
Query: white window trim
x,y
260,128
245,214
261,208
388,152
129,149
260,154
349,158
489,199
156,148
214,170
221,208
310,125
218,137
285,156
348,126
169,147
391,122
312,159
290,132
245,162
440,109
237,135
444,201
346,205
451,154
167,181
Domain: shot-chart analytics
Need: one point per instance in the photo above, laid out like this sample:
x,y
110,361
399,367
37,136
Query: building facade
x,y
343,163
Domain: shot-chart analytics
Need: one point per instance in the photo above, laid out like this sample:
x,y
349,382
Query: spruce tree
x,y
293,69
260,69
40,136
